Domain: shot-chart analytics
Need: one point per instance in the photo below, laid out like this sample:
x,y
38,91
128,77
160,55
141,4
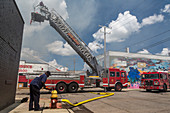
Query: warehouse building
x,y
135,63
11,32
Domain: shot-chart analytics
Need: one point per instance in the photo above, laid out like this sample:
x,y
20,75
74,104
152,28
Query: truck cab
x,y
155,81
117,79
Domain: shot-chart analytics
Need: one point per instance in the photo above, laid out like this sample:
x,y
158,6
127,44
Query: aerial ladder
x,y
60,25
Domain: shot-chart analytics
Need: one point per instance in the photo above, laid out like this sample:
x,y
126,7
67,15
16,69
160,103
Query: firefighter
x,y
35,87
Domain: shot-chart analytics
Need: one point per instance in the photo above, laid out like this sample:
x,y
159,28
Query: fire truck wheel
x,y
118,87
164,88
148,90
108,89
73,87
61,88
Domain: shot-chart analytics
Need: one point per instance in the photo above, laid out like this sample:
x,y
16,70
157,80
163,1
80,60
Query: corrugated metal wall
x,y
11,31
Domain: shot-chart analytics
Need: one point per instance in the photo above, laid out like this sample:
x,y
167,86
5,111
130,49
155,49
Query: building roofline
x,y
33,62
19,11
134,55
138,55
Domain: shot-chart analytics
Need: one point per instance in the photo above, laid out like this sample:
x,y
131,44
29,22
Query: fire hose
x,y
55,100
86,101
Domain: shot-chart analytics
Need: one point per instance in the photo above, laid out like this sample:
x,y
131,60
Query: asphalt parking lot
x,y
127,101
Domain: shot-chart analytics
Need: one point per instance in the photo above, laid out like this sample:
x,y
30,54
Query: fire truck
x,y
98,77
155,81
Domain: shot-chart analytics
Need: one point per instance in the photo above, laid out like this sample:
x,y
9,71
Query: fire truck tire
x,y
108,89
118,87
148,90
61,87
73,87
164,88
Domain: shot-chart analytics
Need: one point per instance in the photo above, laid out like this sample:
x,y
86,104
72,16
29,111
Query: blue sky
x,y
131,21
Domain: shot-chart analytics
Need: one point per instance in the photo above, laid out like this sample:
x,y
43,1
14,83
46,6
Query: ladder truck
x,y
99,77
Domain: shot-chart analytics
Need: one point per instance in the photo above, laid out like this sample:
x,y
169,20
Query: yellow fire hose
x,y
77,104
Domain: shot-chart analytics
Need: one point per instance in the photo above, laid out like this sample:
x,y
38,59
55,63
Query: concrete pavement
x,y
23,108
19,107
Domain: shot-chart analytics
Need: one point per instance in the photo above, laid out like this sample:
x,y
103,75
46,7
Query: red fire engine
x,y
97,77
116,79
155,81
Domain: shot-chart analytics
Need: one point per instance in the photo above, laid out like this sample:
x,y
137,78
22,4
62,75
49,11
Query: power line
x,y
146,39
155,44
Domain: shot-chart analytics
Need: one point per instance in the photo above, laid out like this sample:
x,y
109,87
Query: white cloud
x,y
144,51
35,29
165,52
59,48
26,7
54,63
152,19
86,67
53,66
30,29
59,5
122,27
166,9
94,46
31,55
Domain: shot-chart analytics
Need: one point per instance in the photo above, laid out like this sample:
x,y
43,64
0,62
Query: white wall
x,y
27,67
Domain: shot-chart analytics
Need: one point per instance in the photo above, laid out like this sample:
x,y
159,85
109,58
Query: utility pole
x,y
74,64
74,61
105,46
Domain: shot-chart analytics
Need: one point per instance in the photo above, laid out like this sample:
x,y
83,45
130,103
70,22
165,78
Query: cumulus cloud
x,y
31,55
59,48
94,46
144,51
60,6
86,67
26,7
124,26
152,19
53,66
54,63
25,52
164,52
166,9
30,29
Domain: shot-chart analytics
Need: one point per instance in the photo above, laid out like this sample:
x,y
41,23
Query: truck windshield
x,y
150,76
